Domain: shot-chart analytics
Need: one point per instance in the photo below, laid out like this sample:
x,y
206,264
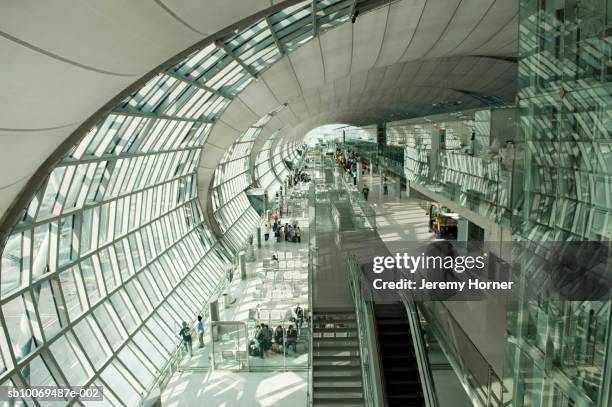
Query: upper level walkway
x,y
267,295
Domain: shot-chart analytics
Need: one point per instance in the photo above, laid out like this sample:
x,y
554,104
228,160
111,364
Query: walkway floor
x,y
270,295
230,389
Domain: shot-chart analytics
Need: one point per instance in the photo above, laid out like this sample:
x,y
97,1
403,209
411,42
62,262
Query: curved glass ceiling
x,y
112,252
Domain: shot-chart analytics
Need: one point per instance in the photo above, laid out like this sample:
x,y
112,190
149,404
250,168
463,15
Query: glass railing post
x,y
489,380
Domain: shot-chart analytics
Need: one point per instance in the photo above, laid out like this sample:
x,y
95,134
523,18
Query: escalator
x,y
401,378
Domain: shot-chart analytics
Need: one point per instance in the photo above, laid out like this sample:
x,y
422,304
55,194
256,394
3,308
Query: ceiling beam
x,y
314,18
147,115
198,84
220,45
353,7
274,36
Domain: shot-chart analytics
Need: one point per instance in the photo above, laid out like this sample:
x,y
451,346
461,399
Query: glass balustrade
x,y
229,345
480,184
367,348
477,375
287,345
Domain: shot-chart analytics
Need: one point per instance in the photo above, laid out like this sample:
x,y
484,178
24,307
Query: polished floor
x,y
232,389
270,295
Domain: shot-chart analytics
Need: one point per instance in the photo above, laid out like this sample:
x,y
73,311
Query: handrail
x,y
173,362
474,390
355,198
427,382
242,324
312,263
370,366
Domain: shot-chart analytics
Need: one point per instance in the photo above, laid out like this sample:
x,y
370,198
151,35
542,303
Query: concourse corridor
x,y
279,203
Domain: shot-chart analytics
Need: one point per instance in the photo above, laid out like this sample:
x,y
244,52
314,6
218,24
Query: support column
x,y
242,263
398,187
463,227
380,181
259,237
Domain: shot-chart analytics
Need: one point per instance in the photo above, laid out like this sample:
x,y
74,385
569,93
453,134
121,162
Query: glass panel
x,y
229,345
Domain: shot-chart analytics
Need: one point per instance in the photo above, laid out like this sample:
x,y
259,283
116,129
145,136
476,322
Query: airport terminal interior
x,y
193,194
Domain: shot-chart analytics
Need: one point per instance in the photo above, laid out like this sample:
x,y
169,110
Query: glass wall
x,y
231,207
112,252
464,157
559,351
264,172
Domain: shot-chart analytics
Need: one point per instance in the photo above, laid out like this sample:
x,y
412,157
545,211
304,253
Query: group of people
x,y
287,232
266,341
300,176
185,335
350,163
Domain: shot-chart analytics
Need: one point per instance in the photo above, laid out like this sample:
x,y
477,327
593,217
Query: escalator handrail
x,y
427,382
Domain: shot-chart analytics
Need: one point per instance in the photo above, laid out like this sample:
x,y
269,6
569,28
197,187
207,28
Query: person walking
x,y
292,335
385,188
299,316
260,337
298,235
200,331
186,338
366,192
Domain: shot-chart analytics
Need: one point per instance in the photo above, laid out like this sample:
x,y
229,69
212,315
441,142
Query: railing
x,y
174,361
370,365
420,349
229,345
312,266
335,214
361,208
478,377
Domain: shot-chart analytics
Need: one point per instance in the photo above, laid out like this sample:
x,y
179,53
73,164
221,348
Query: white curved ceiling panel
x,y
313,101
221,137
401,25
259,99
392,75
432,24
336,48
506,35
375,78
510,49
411,69
327,94
286,116
499,16
211,16
15,164
137,34
205,173
463,67
368,34
357,83
308,64
32,85
476,78
10,191
238,115
468,16
300,108
282,81
341,87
